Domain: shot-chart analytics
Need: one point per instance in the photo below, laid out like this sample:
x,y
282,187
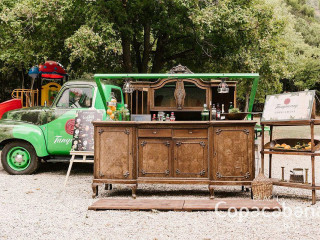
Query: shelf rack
x,y
313,186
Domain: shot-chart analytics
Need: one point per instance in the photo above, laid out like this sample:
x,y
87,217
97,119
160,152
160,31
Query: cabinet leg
x,y
211,191
95,190
134,190
314,197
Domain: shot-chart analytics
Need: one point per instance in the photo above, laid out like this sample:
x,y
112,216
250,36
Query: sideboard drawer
x,y
190,133
154,132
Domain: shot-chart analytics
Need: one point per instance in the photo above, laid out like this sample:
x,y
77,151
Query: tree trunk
x,y
247,102
146,48
22,78
158,61
136,46
126,56
126,45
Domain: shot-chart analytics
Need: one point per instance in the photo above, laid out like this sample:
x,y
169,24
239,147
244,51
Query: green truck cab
x,y
30,134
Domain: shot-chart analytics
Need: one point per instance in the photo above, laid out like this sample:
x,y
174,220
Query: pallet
x,y
185,205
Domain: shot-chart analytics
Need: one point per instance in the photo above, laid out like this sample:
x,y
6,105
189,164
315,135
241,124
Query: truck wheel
x,y
19,158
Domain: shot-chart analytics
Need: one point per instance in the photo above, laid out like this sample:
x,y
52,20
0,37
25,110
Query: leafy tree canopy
x,y
277,38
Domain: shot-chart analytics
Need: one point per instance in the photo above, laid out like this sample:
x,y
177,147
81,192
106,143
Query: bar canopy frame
x,y
254,76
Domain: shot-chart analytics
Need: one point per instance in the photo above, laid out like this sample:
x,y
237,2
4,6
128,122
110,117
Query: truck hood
x,y
34,115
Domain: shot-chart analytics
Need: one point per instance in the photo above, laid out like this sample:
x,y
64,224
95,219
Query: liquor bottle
x,y
126,113
218,112
223,117
154,118
230,107
205,113
172,117
167,118
214,112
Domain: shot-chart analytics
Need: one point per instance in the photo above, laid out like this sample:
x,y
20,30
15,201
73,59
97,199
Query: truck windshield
x,y
76,97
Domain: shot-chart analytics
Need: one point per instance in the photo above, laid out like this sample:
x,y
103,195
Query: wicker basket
x,y
261,187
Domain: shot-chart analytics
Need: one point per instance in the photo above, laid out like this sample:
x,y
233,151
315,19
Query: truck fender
x,y
24,131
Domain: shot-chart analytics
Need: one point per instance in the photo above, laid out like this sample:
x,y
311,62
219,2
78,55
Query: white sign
x,y
288,106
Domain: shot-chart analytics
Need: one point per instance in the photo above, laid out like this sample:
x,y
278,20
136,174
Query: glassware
x,y
214,112
112,106
205,113
172,117
218,112
230,107
126,113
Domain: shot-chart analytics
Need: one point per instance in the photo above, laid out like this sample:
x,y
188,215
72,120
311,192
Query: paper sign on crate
x,y
289,106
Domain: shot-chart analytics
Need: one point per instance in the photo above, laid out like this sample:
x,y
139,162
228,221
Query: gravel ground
x,y
38,207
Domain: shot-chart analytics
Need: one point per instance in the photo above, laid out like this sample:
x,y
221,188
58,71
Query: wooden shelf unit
x,y
313,186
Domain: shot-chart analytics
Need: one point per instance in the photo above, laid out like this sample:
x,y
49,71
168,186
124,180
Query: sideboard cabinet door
x,y
233,153
114,153
191,158
154,157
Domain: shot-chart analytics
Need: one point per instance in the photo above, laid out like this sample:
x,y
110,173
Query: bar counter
x,y
179,152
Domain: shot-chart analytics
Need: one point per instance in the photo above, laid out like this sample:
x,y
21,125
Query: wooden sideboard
x,y
191,152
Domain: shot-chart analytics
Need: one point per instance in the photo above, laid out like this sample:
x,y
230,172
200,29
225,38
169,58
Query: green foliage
x,y
280,39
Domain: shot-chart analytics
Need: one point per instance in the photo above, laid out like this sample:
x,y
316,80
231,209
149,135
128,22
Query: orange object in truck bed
x,y
9,105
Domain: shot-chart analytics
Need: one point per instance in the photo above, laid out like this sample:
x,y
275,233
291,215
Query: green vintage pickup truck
x,y
31,134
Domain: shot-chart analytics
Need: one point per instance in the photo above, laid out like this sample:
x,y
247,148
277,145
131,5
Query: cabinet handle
x,y
100,131
127,131
154,132
126,174
190,132
202,173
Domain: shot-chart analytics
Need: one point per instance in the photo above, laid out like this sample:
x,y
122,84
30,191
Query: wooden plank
x,y
277,182
137,204
228,204
292,123
292,153
185,205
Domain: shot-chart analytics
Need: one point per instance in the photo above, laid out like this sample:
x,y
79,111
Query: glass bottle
x,y
214,112
205,113
230,107
223,117
126,113
172,117
218,112
112,106
154,118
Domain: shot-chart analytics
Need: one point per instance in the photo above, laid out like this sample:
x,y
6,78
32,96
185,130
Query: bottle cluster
x,y
161,116
217,113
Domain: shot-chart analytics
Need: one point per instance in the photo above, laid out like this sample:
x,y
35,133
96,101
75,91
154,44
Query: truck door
x,y
60,131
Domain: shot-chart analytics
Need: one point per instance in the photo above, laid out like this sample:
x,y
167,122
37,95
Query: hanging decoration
x,y
127,86
223,87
